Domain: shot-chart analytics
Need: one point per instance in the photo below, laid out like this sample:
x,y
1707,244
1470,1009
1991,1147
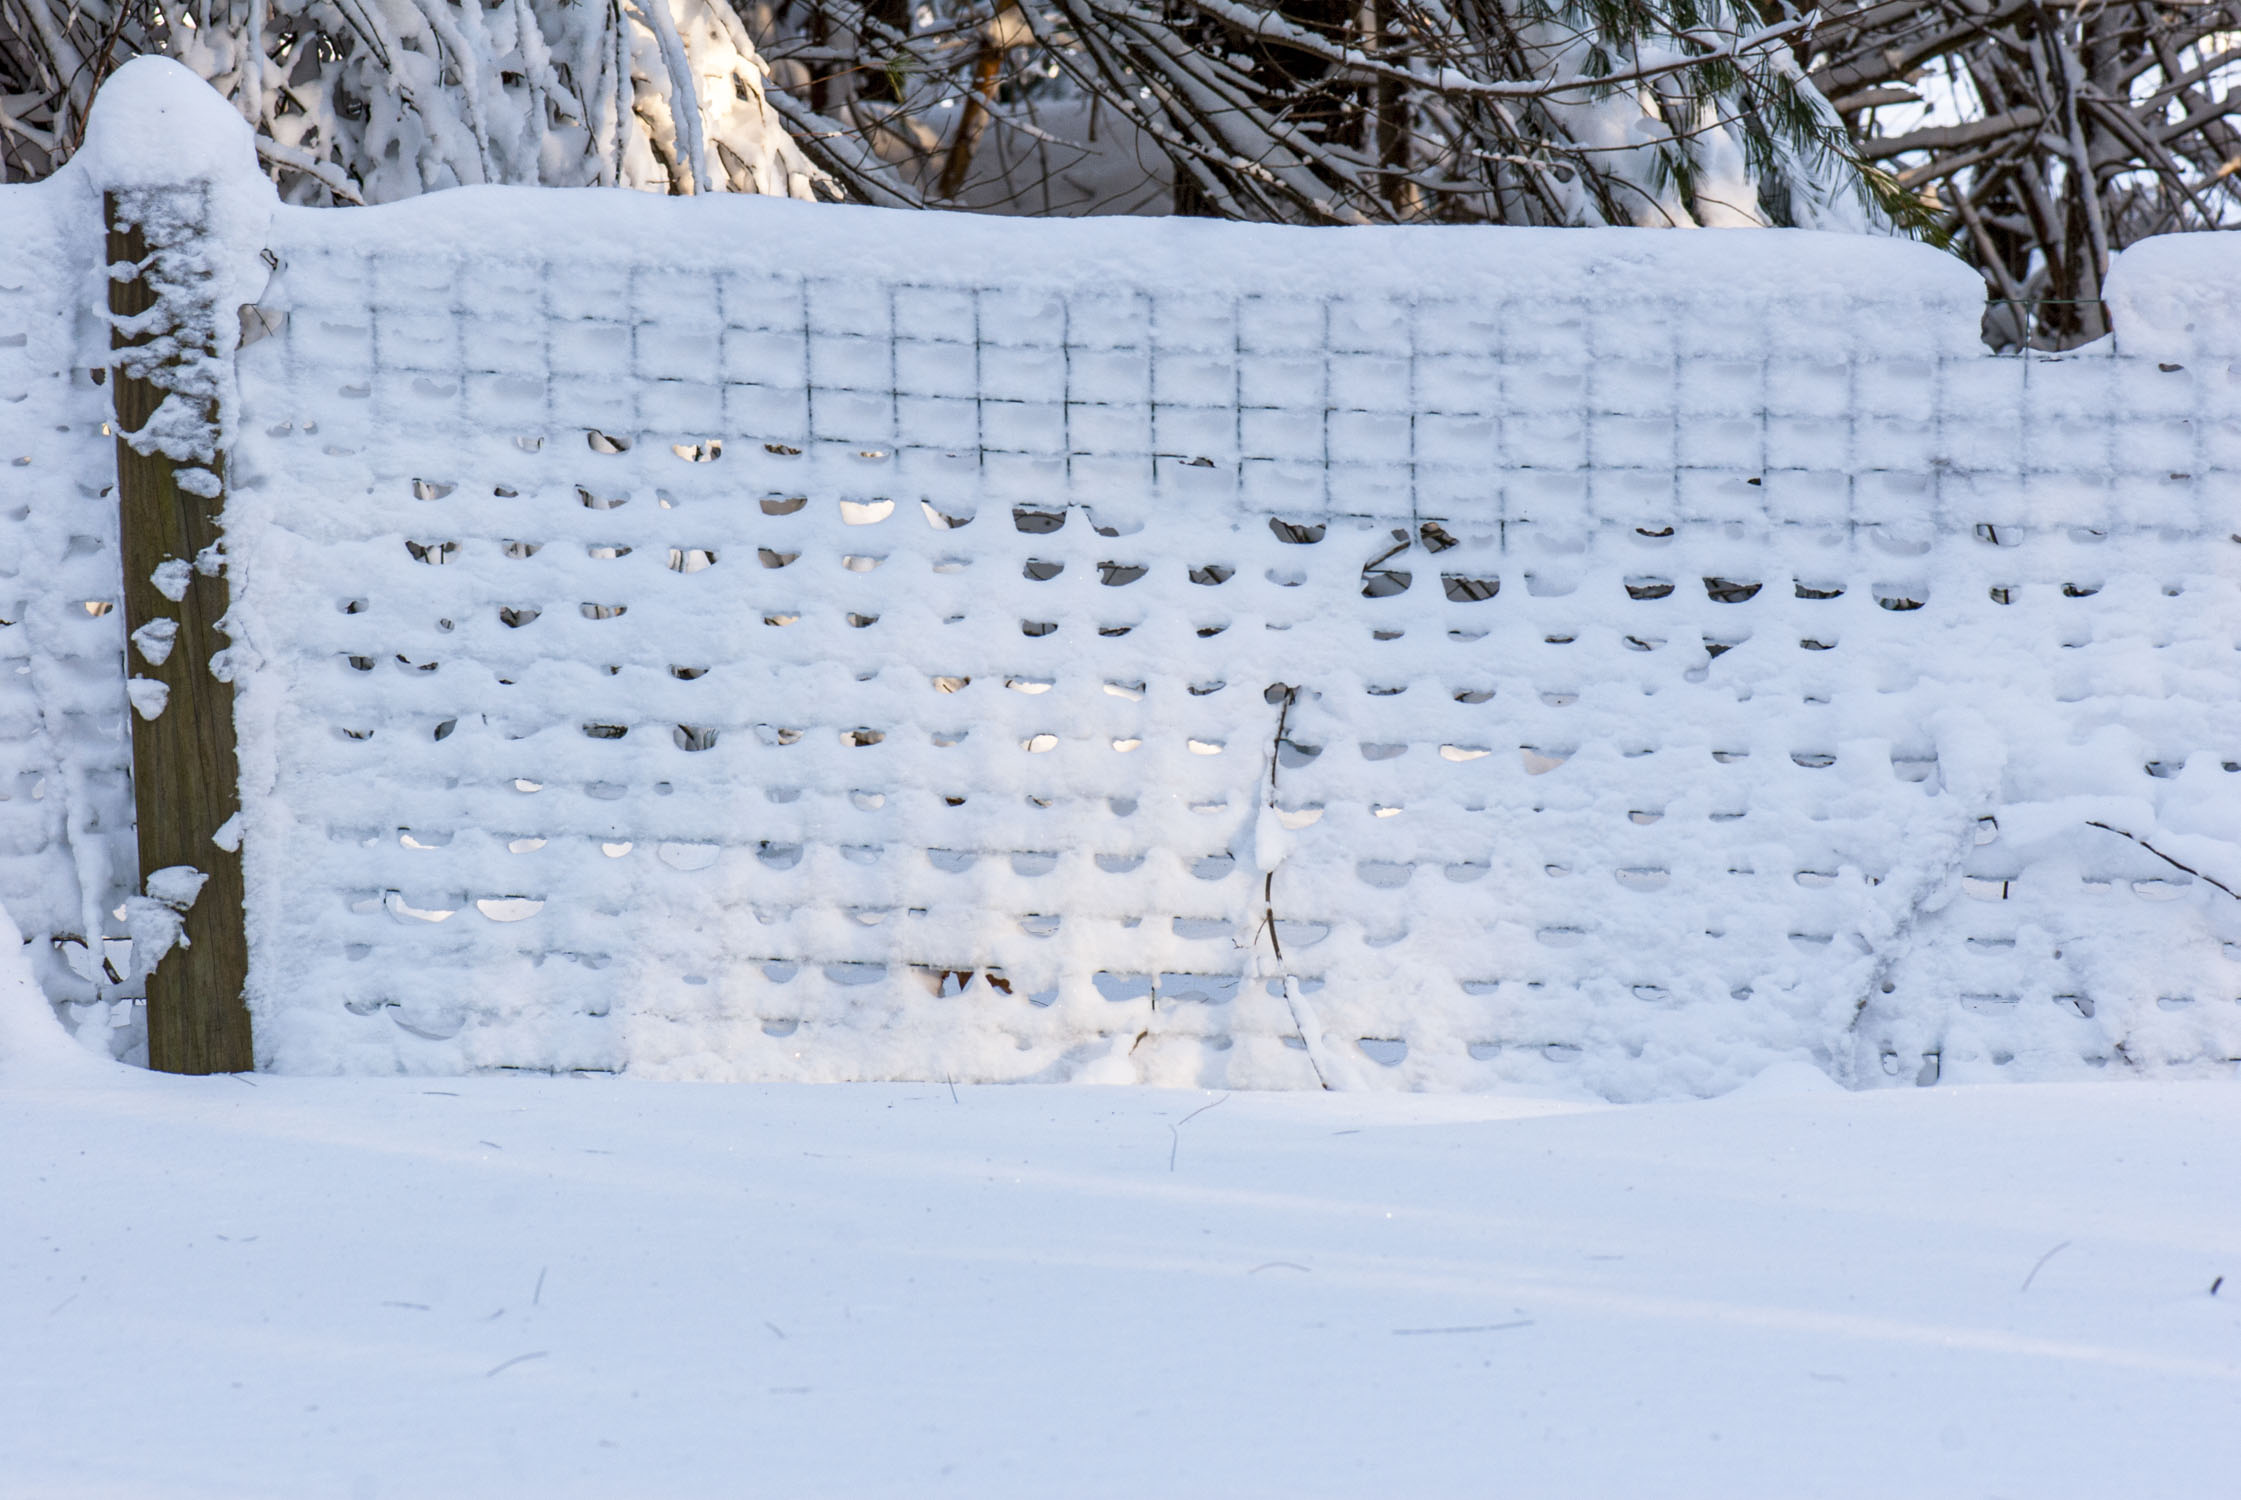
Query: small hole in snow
x,y
1463,590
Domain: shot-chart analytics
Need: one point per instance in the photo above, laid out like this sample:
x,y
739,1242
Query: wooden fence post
x,y
185,783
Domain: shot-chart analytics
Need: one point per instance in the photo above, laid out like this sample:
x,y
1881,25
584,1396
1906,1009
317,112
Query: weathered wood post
x,y
167,374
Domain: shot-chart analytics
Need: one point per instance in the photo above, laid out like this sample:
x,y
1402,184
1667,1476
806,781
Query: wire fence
x,y
712,640
750,671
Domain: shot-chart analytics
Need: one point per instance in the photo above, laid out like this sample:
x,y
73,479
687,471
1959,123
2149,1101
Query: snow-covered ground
x,y
275,1286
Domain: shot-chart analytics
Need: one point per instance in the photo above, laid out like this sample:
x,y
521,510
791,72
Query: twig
x,y
538,1295
1302,1013
330,177
519,1359
2167,859
2057,1250
952,1089
1283,716
1175,1129
1473,1328
1272,26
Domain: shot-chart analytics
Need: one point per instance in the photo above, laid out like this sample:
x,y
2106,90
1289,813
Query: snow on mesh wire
x,y
66,846
728,642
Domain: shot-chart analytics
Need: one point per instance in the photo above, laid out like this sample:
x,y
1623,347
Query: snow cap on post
x,y
156,123
176,160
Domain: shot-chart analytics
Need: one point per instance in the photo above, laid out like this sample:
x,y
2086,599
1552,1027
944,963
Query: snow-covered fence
x,y
66,816
750,639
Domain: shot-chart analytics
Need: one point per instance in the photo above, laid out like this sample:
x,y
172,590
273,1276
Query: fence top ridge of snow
x,y
2176,297
1928,303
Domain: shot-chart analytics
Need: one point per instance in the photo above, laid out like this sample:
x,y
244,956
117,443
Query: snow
x,y
287,1286
148,696
171,578
409,100
66,815
177,885
155,639
1678,654
179,162
34,1047
765,657
2177,297
182,168
1930,301
155,124
1989,838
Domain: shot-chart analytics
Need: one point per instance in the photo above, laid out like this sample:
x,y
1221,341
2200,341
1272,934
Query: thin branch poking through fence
x,y
1303,1014
2167,859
